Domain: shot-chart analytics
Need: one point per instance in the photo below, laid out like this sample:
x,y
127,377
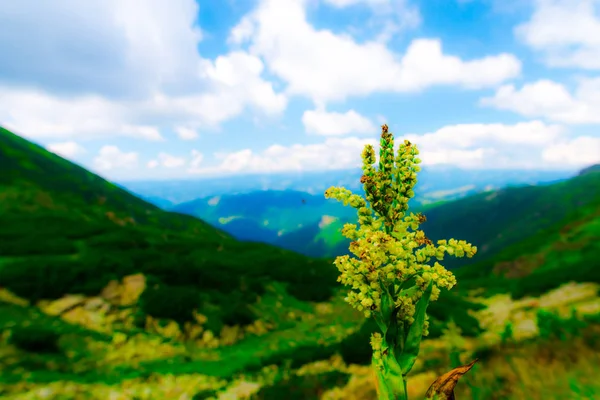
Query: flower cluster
x,y
390,252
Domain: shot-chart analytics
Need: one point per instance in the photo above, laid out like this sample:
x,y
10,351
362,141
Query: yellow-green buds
x,y
394,272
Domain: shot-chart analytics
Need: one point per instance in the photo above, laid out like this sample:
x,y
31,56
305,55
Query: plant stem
x,y
391,385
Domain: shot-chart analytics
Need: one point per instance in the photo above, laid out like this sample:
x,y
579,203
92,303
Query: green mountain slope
x,y
263,215
493,220
567,251
35,180
317,239
502,218
65,230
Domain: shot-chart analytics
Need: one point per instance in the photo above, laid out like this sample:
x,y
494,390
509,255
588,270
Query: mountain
x,y
498,219
322,239
274,216
310,224
591,168
263,216
539,238
64,230
494,219
436,183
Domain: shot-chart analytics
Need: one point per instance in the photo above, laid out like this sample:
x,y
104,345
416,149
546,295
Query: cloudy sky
x,y
136,89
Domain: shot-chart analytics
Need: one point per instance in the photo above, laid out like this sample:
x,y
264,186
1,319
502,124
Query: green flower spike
x,y
394,271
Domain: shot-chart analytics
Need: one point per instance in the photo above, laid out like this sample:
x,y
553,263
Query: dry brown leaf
x,y
443,387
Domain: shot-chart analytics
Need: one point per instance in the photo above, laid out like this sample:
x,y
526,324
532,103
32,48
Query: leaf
x,y
383,392
393,376
389,382
384,319
408,292
407,358
443,387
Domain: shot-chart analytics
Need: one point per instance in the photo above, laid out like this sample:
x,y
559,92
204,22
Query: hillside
x,y
494,219
65,230
262,216
546,257
35,180
590,169
103,295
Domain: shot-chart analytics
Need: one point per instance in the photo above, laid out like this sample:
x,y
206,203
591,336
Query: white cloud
x,y
529,145
551,100
37,114
119,68
327,67
167,160
566,32
170,161
186,133
111,157
236,85
533,133
104,44
580,151
334,153
326,123
487,145
239,73
197,159
388,17
66,150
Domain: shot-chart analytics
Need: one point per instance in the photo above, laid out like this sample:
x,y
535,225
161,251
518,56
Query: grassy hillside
x,y
499,219
65,230
562,252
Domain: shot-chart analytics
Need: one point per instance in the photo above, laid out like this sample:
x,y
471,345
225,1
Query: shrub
x,y
305,387
176,303
206,394
36,244
507,334
298,356
451,306
47,278
238,314
355,348
35,339
552,325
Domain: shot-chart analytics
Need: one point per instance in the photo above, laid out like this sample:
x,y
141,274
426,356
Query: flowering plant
x,y
390,275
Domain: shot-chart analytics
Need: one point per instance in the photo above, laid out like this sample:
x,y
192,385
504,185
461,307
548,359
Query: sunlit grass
x,y
149,366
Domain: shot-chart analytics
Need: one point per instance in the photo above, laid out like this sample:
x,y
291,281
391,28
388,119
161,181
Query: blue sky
x,y
161,89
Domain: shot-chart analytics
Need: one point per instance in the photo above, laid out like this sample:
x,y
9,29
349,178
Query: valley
x,y
105,294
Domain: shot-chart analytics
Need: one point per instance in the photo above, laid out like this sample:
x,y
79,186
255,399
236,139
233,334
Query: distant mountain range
x,y
289,210
264,216
435,183
310,224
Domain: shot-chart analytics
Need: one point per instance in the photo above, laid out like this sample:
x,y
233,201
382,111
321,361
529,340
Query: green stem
x,y
391,384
